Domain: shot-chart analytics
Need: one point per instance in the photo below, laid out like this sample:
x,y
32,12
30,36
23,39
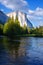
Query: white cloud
x,y
38,11
30,11
15,4
25,2
36,16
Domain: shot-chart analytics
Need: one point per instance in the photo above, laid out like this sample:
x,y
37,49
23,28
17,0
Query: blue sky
x,y
33,8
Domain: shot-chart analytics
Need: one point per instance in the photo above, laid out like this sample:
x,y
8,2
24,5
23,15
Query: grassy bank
x,y
27,35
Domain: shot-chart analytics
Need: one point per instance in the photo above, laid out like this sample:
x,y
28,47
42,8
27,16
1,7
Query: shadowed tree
x,y
1,29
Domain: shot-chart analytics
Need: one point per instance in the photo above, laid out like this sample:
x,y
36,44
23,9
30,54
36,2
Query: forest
x,y
12,28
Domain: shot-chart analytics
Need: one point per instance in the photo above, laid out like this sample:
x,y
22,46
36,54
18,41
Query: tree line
x,y
38,31
12,28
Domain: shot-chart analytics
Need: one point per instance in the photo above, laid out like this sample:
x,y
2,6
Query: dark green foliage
x,y
9,27
12,28
1,29
37,31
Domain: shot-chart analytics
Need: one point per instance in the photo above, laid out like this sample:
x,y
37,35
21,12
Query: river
x,y
21,51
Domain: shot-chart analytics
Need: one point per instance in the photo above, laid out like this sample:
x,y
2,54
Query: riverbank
x,y
24,35
29,35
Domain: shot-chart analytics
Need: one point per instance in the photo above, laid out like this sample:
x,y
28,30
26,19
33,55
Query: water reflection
x,y
11,46
13,52
21,51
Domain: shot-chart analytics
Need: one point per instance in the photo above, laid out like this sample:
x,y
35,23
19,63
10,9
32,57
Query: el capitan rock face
x,y
21,17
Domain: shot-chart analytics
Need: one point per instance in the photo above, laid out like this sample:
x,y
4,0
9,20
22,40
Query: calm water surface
x,y
21,51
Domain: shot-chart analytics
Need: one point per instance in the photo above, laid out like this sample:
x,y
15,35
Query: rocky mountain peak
x,y
22,17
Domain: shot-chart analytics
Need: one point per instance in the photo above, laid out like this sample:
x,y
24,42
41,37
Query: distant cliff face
x,y
22,18
3,17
